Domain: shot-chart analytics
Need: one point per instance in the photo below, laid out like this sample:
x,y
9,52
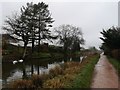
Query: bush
x,y
55,49
115,63
22,84
55,71
58,82
38,80
116,53
83,79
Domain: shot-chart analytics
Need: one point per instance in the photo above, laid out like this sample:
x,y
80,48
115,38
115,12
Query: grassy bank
x,y
68,75
77,75
83,79
46,55
12,52
116,64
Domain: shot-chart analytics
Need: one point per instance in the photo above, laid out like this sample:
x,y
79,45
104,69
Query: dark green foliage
x,y
111,38
39,21
56,49
31,25
116,64
111,41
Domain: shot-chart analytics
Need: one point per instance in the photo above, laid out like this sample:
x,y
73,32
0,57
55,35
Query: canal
x,y
25,69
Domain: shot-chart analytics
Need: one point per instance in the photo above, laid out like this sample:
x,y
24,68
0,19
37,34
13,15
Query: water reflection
x,y
29,67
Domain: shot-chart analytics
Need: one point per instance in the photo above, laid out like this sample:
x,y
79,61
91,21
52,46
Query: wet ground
x,y
105,75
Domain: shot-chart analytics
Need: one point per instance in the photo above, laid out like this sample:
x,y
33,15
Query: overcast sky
x,y
91,17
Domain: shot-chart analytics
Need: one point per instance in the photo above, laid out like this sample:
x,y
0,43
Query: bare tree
x,y
69,36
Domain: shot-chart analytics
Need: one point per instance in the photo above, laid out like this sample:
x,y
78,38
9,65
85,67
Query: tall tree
x,y
40,20
111,39
69,36
44,21
29,12
32,24
18,29
77,39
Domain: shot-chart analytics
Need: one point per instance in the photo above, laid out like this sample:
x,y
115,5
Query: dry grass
x,y
22,84
72,70
58,82
55,79
53,83
69,69
69,65
37,80
55,72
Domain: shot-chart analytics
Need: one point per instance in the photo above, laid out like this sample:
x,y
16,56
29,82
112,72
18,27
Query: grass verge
x,y
83,79
76,75
68,75
116,64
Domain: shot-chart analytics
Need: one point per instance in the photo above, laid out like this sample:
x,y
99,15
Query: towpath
x,y
105,75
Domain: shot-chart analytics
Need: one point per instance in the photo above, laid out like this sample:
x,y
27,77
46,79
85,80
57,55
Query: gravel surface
x,y
105,75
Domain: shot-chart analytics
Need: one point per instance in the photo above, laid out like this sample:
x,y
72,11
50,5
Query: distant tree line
x,y
111,41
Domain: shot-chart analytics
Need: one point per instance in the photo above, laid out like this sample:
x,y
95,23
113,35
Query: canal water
x,y
11,72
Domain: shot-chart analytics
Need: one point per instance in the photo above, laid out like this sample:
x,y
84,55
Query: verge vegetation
x,y
83,79
116,64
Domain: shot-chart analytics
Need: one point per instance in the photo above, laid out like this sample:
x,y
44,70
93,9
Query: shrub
x,y
55,71
38,80
22,84
58,82
53,83
116,53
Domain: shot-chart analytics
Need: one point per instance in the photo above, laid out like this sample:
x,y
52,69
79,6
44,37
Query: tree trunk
x,y
39,36
38,70
39,43
32,70
25,49
65,49
24,76
33,45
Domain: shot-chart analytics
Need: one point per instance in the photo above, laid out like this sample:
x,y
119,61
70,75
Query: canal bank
x,y
31,66
62,75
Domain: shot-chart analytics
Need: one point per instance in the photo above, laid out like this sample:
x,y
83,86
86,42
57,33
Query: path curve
x,y
105,75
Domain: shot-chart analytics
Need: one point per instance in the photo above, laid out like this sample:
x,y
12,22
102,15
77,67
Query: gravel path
x,y
105,75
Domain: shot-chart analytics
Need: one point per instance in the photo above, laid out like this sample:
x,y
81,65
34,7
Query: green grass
x,y
116,64
41,55
46,55
14,51
56,55
83,79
